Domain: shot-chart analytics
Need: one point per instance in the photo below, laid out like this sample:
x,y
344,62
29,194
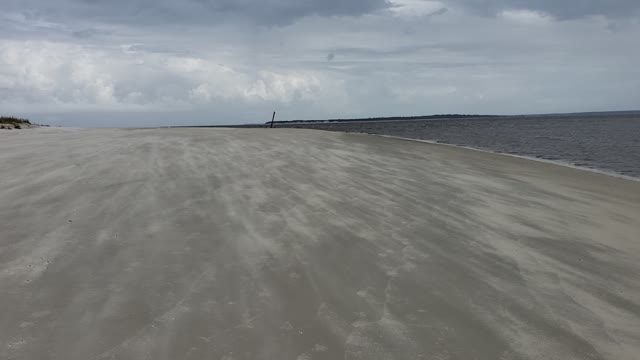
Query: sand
x,y
301,244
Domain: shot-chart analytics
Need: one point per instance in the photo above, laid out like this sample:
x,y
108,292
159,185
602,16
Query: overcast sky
x,y
161,62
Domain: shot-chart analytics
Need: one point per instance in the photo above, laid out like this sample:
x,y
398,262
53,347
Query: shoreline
x,y
525,157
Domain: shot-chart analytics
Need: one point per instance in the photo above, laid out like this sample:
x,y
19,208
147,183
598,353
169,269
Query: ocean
x,y
608,142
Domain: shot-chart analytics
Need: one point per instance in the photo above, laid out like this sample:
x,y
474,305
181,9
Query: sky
x,y
95,63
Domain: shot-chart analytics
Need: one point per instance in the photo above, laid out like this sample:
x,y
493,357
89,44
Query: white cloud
x,y
47,72
525,16
416,8
43,72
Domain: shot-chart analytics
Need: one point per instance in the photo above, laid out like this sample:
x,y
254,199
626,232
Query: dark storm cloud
x,y
562,9
282,12
142,12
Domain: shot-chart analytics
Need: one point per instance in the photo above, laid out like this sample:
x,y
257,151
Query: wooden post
x,y
273,118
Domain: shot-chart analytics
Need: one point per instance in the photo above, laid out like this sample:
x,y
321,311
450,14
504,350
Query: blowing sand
x,y
300,244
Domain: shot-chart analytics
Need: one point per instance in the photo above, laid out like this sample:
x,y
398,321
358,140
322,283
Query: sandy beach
x,y
302,244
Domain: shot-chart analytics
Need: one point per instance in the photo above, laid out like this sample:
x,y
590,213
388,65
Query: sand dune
x,y
301,244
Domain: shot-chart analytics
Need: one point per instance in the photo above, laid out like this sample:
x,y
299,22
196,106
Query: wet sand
x,y
301,244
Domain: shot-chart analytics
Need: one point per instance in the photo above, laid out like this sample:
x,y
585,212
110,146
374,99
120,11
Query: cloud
x,y
45,73
156,12
526,16
417,8
283,12
558,8
137,62
86,33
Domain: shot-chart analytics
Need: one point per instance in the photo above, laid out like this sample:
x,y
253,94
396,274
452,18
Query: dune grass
x,y
9,122
13,120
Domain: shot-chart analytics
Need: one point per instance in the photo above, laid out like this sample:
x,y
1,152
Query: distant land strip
x,y
410,118
391,118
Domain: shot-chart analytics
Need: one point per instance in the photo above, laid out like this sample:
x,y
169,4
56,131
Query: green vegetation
x,y
13,121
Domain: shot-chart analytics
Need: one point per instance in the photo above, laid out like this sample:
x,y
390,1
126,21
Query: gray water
x,y
602,141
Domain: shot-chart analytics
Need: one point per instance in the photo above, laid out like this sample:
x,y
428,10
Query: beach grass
x,y
13,120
